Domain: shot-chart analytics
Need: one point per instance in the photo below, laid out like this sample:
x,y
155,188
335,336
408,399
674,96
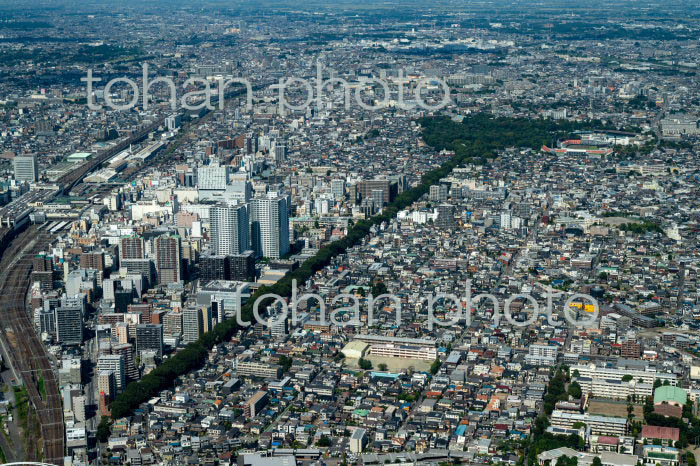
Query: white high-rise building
x,y
338,189
26,168
172,122
192,324
116,364
269,225
506,220
240,190
79,408
212,177
229,229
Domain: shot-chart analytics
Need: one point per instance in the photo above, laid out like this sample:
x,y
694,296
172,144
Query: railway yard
x,y
26,353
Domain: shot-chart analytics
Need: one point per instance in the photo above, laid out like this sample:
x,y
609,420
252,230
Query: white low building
x,y
586,459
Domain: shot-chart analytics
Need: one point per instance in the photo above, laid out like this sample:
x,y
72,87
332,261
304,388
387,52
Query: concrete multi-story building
x,y
367,187
172,323
542,355
358,440
255,403
630,349
70,371
602,425
26,168
391,350
106,383
258,369
69,324
212,177
149,337
614,389
647,375
127,350
229,229
269,219
213,267
168,259
192,324
131,247
242,266
338,189
400,347
438,193
678,125
116,364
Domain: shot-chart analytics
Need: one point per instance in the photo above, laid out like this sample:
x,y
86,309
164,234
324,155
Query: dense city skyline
x,y
402,233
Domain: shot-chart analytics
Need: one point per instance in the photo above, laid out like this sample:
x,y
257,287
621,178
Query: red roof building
x,y
661,433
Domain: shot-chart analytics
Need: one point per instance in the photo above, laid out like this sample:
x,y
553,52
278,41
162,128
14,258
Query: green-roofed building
x,y
670,395
360,413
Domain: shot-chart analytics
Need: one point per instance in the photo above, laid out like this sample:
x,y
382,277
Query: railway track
x,y
69,180
20,340
17,334
72,179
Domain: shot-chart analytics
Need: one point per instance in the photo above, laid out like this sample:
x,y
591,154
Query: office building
x,y
280,153
45,280
149,337
81,281
367,188
172,323
338,189
208,320
377,196
192,324
143,267
79,408
242,266
46,318
173,122
223,297
127,351
70,371
26,168
69,323
113,363
212,177
212,267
